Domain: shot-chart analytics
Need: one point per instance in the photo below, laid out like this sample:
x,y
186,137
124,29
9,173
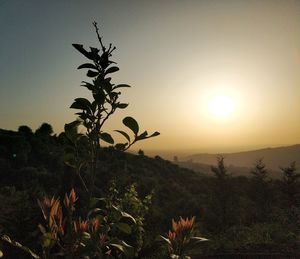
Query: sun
x,y
221,106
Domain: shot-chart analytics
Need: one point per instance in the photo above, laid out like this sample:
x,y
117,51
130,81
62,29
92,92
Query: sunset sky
x,y
211,76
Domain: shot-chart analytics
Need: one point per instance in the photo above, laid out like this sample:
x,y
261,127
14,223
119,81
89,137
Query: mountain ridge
x,y
274,158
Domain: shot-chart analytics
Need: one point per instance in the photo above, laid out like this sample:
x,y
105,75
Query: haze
x,y
179,56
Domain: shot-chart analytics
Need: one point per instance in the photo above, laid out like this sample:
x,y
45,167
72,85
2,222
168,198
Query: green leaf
x,y
132,124
47,240
124,134
81,103
11,242
107,137
199,239
91,73
125,215
123,247
93,212
121,86
85,235
87,65
162,238
123,227
111,70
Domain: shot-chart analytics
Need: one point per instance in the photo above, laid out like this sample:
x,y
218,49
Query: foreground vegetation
x,y
67,196
252,214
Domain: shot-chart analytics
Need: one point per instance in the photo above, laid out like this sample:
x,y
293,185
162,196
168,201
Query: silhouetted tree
x,y
141,153
25,130
290,184
220,170
45,130
259,171
222,194
261,191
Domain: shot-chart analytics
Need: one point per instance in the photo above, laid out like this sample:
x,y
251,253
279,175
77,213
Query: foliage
x,y
181,240
94,236
138,208
8,240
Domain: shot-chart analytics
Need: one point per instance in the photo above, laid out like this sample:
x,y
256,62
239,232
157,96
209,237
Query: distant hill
x,y
241,162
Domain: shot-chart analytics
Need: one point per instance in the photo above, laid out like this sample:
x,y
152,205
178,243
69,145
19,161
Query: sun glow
x,y
221,106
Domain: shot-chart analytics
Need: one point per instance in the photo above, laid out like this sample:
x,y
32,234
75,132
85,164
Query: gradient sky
x,y
177,55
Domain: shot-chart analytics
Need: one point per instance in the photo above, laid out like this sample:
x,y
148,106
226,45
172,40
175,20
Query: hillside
x,y
238,214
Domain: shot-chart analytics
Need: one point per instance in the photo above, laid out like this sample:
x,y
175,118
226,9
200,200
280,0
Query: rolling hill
x,y
241,162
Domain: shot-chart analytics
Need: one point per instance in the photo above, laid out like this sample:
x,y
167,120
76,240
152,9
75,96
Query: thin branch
x,y
99,38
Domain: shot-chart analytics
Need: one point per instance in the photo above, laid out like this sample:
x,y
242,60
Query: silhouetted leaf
x,y
107,137
120,86
142,136
91,73
80,48
99,96
132,124
88,85
122,105
81,103
156,133
94,106
112,70
94,50
87,65
124,134
104,61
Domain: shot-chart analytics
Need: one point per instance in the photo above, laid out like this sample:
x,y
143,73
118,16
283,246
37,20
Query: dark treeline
x,y
239,215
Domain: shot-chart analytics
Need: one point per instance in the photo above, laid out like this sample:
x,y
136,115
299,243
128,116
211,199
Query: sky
x,y
210,76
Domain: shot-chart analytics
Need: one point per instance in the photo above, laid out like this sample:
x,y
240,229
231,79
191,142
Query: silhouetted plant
x,y
94,114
